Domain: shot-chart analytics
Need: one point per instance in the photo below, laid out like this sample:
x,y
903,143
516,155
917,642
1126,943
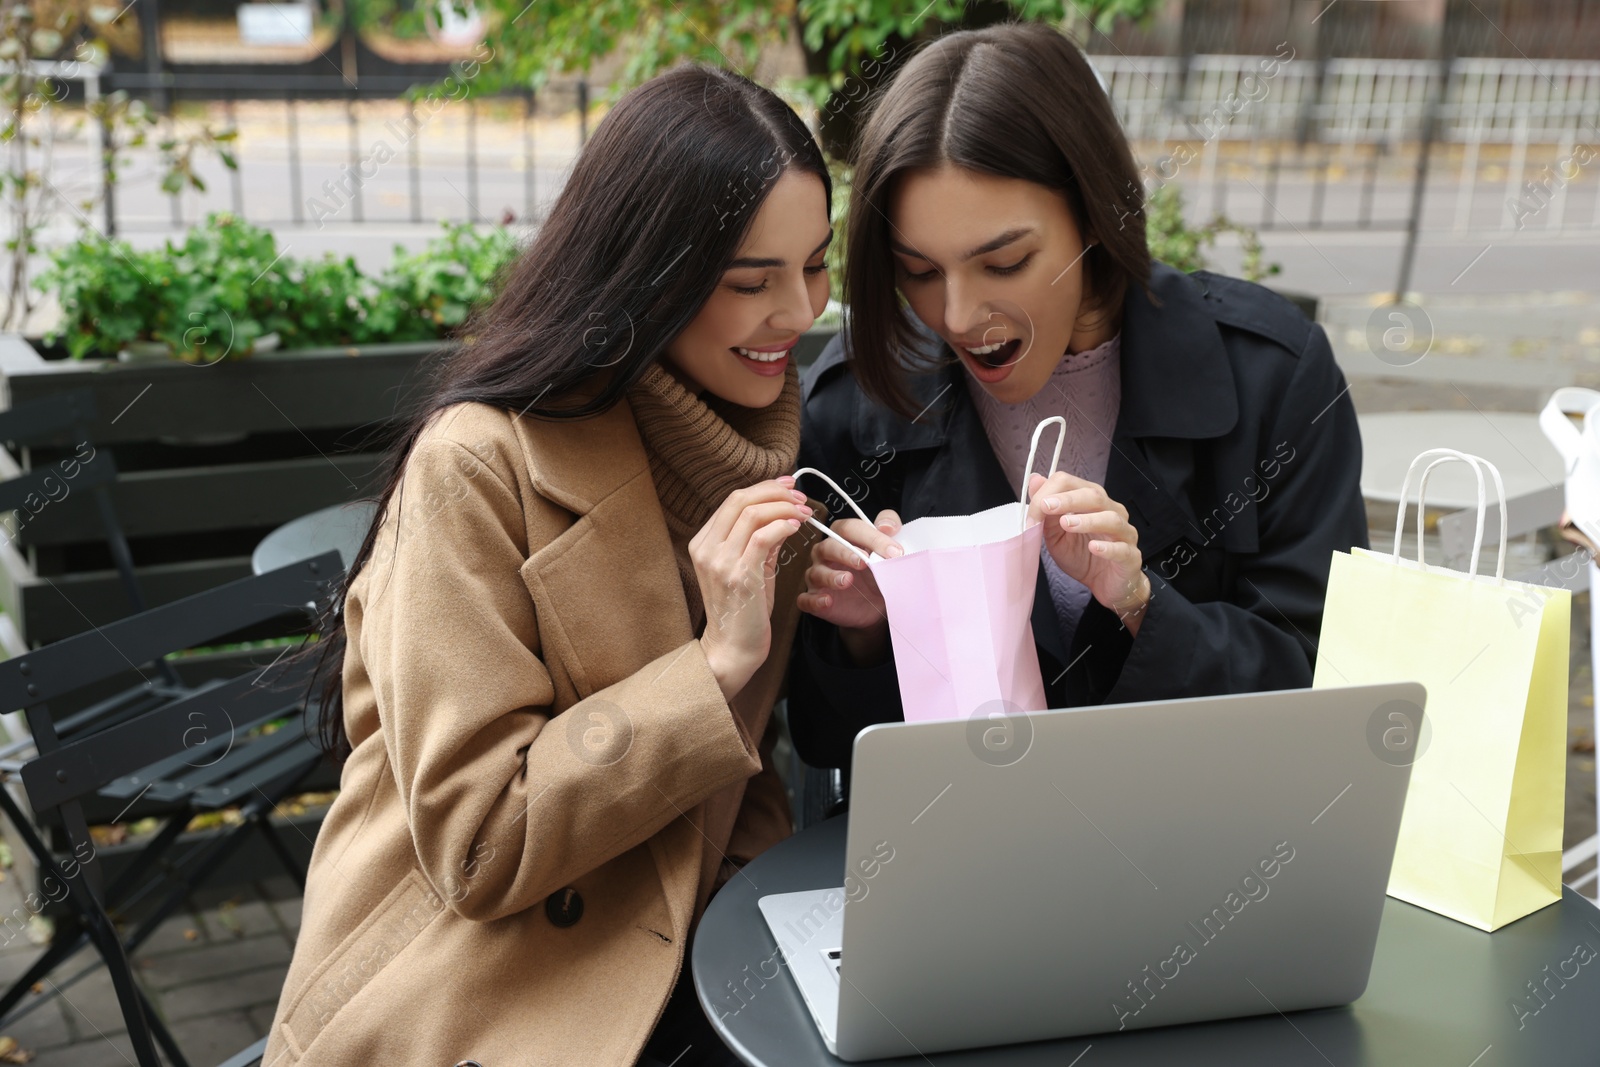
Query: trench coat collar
x,y
1176,378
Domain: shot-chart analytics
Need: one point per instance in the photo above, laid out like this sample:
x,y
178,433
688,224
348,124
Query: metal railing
x,y
1273,142
1513,139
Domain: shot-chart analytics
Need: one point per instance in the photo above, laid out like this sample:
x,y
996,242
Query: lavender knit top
x,y
1086,390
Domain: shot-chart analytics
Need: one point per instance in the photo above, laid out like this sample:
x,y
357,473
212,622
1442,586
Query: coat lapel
x,y
611,598
606,590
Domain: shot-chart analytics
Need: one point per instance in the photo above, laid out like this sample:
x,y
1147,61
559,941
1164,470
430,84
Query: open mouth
x,y
997,355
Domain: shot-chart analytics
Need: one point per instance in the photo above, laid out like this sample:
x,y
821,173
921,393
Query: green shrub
x,y
105,292
431,292
227,285
1172,241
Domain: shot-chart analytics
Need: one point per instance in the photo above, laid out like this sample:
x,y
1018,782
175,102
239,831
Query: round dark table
x,y
342,526
1440,992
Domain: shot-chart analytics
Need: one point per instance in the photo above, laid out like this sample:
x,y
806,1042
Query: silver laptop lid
x,y
1094,869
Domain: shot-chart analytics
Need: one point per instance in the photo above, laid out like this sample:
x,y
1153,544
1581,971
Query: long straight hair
x,y
655,208
1018,100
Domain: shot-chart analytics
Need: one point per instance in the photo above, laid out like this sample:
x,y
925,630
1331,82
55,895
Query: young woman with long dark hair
x,y
1212,459
560,646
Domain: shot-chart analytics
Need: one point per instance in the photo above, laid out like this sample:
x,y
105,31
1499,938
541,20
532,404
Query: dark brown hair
x,y
655,209
1017,100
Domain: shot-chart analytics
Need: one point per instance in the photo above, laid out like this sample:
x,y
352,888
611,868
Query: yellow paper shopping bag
x,y
1480,840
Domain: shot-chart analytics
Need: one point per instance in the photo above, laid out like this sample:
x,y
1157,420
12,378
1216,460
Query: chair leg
x,y
129,996
217,852
98,927
163,1036
119,894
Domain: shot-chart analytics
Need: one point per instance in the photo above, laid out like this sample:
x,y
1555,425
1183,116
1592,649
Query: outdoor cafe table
x,y
1440,993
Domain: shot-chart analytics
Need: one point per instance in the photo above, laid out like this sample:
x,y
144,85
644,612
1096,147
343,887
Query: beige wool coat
x,y
546,784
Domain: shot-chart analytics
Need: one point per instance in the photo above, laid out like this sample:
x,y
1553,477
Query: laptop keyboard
x,y
834,957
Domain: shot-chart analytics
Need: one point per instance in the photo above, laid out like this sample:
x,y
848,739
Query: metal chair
x,y
158,739
63,419
250,1057
826,794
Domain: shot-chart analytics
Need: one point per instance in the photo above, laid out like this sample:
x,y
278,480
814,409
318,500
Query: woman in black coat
x,y
1009,225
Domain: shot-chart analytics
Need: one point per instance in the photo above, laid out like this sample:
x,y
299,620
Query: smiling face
x,y
737,347
995,266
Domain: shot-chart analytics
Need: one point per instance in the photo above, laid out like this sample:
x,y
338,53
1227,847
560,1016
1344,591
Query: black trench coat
x,y
1236,453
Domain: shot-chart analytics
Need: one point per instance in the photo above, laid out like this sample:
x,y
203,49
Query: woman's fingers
x,y
845,598
867,538
1086,498
814,603
1100,524
823,578
757,516
1119,552
1044,493
767,538
830,553
727,514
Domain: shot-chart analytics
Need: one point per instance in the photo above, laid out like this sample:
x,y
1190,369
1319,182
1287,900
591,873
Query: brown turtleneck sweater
x,y
702,449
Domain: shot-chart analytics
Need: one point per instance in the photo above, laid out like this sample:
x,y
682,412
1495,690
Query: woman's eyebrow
x,y
992,245
996,243
753,261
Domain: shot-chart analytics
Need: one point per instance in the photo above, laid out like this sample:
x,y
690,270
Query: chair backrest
x,y
66,771
63,419
55,670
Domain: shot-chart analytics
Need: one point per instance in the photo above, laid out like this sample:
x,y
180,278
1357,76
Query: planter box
x,y
210,460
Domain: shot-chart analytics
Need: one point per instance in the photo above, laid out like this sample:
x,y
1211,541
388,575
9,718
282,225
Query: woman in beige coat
x,y
561,645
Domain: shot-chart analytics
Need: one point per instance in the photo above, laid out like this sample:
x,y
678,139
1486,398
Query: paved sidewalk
x,y
213,972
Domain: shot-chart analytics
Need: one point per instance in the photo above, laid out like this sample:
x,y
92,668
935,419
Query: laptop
x,y
1071,872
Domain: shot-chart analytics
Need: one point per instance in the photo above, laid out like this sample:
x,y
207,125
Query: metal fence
x,y
1282,141
1273,142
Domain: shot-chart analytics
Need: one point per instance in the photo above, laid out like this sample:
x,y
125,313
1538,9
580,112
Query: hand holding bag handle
x,y
1033,448
1478,463
846,498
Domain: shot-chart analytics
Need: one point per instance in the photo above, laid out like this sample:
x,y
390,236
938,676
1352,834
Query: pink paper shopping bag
x,y
960,605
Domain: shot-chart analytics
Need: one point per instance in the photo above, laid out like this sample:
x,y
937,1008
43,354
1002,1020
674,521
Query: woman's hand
x,y
1089,536
735,557
840,588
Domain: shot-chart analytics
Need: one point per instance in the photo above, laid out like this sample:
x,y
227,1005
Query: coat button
x,y
563,907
